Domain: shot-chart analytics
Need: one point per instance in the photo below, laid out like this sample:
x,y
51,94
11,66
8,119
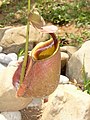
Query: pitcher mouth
x,y
44,50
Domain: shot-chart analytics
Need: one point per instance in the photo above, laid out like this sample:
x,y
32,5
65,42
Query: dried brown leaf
x,y
36,20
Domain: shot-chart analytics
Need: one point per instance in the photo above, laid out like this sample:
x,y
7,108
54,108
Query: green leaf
x,y
21,52
36,20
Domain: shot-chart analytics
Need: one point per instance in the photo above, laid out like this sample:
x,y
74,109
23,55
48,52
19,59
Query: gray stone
x,y
12,115
76,62
67,103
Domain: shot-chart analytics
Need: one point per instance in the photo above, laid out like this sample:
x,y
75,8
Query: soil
x,y
73,35
31,113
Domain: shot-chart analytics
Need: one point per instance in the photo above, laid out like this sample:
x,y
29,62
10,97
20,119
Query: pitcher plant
x,y
42,72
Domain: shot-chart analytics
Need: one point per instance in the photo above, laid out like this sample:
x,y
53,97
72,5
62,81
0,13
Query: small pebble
x,y
12,115
5,59
64,79
13,56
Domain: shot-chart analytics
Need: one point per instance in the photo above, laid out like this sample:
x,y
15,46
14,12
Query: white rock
x,y
68,49
64,79
13,63
2,56
13,56
4,59
67,103
1,67
12,115
74,69
71,50
2,117
1,49
63,49
8,99
2,31
64,56
17,35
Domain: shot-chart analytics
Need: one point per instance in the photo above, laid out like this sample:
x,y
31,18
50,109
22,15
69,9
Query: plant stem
x,y
26,49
